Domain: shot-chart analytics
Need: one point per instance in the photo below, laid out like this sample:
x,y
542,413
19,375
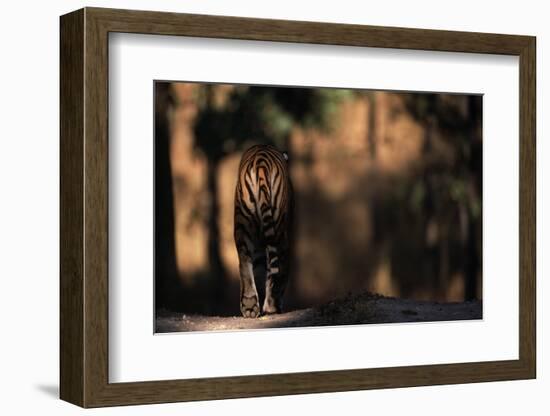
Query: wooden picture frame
x,y
84,207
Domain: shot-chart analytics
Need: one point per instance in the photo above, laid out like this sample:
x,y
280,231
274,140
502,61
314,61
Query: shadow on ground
x,y
49,390
365,308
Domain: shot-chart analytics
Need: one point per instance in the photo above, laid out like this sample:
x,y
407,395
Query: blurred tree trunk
x,y
166,273
371,135
217,271
444,257
472,262
472,249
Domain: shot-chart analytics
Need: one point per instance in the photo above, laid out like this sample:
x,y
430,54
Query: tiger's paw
x,y
271,307
250,307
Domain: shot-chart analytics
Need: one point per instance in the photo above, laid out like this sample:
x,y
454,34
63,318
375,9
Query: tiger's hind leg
x,y
250,301
275,284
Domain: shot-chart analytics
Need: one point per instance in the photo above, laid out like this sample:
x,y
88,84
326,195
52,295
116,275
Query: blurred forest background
x,y
387,189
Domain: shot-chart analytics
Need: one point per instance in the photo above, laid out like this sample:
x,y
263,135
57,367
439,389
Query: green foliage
x,y
261,114
457,189
458,118
418,194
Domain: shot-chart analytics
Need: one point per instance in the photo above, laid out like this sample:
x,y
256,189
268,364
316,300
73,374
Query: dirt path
x,y
359,309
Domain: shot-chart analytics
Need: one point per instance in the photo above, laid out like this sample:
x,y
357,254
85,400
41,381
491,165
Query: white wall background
x,y
29,160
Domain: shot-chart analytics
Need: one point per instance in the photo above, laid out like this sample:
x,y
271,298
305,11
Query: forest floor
x,y
365,308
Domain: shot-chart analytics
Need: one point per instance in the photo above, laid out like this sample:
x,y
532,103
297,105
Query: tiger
x,y
263,224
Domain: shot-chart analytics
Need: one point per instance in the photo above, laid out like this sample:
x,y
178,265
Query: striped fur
x,y
263,217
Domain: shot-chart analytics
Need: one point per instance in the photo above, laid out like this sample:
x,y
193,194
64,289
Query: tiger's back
x,y
263,219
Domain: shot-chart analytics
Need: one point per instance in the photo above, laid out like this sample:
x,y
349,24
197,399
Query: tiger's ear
x,y
285,155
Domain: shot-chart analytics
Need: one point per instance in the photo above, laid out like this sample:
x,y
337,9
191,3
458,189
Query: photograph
x,y
285,206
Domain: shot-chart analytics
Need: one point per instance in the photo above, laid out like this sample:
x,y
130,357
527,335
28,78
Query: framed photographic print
x,y
256,207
